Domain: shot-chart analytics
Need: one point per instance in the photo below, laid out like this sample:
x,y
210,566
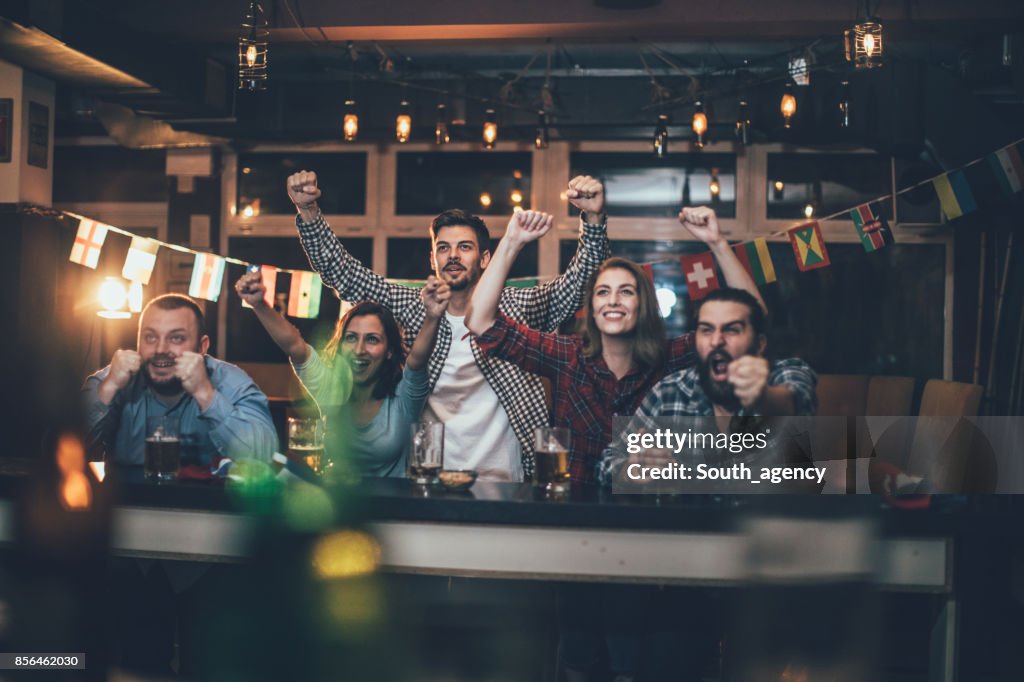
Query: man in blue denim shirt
x,y
222,411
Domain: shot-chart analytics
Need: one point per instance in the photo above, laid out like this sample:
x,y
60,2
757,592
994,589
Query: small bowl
x,y
457,479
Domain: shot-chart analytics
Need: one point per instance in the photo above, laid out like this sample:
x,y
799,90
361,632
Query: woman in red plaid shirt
x,y
622,351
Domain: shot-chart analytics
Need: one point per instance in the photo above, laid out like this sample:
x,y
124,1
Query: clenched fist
x,y
749,377
702,223
527,226
302,190
587,194
123,366
190,368
251,289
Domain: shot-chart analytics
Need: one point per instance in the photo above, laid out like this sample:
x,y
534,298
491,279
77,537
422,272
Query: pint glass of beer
x,y
426,452
551,453
163,449
306,441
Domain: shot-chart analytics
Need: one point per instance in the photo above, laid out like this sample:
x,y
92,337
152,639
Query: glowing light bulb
x,y
250,55
788,107
485,199
516,196
869,44
403,123
700,125
112,296
809,210
350,124
490,133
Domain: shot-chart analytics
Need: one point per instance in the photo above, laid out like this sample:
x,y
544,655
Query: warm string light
x,y
715,187
441,134
540,138
403,123
788,106
490,131
700,125
350,124
660,142
252,50
844,105
485,199
743,123
778,190
516,195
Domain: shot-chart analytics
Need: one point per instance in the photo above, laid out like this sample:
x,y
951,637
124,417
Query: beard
x,y
719,392
167,387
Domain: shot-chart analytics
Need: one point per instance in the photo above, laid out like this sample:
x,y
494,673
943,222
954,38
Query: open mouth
x,y
454,269
162,362
614,316
360,365
718,363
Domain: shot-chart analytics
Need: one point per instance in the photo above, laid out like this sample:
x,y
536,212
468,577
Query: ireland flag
x,y
304,295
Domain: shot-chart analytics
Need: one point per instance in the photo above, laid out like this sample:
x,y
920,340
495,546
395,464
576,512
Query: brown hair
x,y
649,333
175,302
390,372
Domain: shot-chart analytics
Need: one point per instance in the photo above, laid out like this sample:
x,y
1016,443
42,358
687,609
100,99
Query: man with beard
x,y
222,412
732,378
489,407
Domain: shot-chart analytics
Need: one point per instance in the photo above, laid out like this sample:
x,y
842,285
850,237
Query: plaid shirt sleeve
x,y
682,352
545,306
353,281
537,352
615,456
798,377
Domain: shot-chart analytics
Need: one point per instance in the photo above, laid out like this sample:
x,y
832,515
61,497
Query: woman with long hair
x,y
604,371
363,379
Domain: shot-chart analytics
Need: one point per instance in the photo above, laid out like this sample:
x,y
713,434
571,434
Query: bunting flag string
x,y
1004,168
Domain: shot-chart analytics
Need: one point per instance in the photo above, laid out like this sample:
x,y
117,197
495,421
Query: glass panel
x,y
409,258
842,319
829,182
480,182
644,185
109,174
247,340
341,176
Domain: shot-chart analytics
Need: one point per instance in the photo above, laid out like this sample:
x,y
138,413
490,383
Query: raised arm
x,y
545,307
251,289
339,269
702,223
435,295
523,228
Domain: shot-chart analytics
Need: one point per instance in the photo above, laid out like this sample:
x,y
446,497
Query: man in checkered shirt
x,y
732,378
490,408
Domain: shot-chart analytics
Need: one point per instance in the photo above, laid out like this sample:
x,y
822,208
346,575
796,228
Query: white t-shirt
x,y
477,433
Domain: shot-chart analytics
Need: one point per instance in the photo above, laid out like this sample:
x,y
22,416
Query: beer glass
x,y
163,448
426,452
551,456
306,441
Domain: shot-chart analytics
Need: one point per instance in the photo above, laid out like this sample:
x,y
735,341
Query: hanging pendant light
x,y
743,123
700,125
252,50
788,106
441,134
660,141
863,43
403,123
350,124
540,138
490,131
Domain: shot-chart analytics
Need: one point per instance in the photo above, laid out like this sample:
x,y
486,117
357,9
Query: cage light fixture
x,y
743,123
787,105
490,131
252,50
700,125
660,141
403,123
863,43
350,123
541,136
441,134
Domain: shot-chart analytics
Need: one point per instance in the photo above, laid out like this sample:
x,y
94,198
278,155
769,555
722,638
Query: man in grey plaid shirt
x,y
732,378
490,408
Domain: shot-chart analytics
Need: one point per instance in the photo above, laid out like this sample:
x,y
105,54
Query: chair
x,y
952,453
841,395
